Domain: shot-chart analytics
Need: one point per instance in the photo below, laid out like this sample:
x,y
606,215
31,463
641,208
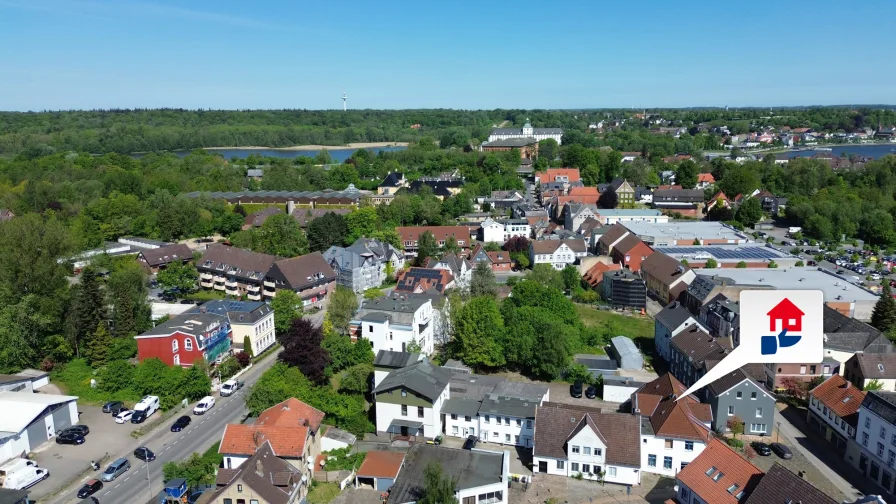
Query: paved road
x,y
203,432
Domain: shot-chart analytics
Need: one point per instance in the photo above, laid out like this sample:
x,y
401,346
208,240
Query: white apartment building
x,y
492,231
557,253
873,452
499,231
527,131
396,323
409,400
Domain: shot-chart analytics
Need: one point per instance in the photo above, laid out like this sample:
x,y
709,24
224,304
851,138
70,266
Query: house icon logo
x,y
784,317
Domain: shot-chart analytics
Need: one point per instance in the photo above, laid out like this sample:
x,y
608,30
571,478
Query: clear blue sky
x,y
75,54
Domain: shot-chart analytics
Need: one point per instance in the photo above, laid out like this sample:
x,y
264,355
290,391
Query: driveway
x,y
560,394
66,462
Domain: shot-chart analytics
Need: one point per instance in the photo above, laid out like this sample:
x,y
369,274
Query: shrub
x,y
229,367
243,359
735,443
773,265
741,264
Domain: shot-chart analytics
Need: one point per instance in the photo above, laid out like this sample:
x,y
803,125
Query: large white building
x,y
557,253
579,441
527,131
409,400
395,323
873,451
32,419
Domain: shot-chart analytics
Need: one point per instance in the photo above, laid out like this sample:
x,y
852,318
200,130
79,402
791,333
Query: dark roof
x,y
461,406
696,345
729,381
615,232
511,142
673,315
304,216
850,335
300,273
627,244
662,267
494,404
191,323
670,195
9,496
780,485
882,404
439,187
555,423
471,469
875,366
423,378
167,254
235,261
271,478
6,379
258,218
702,287
238,312
393,179
395,360
596,362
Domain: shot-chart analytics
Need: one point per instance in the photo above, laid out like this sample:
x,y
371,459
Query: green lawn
x,y
322,493
205,295
640,328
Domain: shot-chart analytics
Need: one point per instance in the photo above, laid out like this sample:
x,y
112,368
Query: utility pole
x,y
148,481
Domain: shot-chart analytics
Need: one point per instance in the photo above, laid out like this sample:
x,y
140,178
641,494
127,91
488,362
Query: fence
x,y
342,477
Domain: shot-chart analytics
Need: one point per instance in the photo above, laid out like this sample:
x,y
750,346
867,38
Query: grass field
x,y
205,295
322,493
640,328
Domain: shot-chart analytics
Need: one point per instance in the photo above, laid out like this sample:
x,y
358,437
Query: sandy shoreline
x,y
351,146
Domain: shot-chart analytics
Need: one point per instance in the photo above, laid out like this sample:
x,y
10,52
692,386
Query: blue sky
x,y
76,54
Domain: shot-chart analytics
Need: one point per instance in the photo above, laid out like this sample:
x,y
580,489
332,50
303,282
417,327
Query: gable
x,y
586,437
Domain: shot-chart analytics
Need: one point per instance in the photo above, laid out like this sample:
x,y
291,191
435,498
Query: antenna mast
x,y
344,99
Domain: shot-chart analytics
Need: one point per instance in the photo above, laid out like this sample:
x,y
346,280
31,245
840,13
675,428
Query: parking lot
x,y
560,394
69,461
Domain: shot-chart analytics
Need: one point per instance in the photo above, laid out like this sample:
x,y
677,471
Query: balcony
x,y
206,285
254,297
205,276
269,292
219,287
269,284
219,280
253,288
232,292
230,284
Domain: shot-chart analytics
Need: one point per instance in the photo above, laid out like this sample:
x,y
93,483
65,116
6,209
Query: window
x,y
880,450
668,444
812,369
516,440
253,501
586,468
466,419
574,467
759,412
498,420
486,419
370,328
404,410
188,345
739,394
506,438
239,488
667,462
891,458
404,393
865,439
712,470
454,430
757,427
685,494
575,449
752,396
718,476
228,501
177,360
494,435
802,369
883,432
519,422
611,471
867,423
651,460
586,450
733,488
174,346
528,424
885,479
506,420
892,438
598,452
824,410
688,446
454,416
419,411
491,497
730,410
390,335
561,464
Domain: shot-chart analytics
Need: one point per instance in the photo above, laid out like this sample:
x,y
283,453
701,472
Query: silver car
x,y
116,469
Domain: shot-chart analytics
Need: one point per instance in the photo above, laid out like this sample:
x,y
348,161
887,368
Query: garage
x,y
379,470
38,417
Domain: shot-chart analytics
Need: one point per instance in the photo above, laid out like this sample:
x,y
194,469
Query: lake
x,y
872,151
338,154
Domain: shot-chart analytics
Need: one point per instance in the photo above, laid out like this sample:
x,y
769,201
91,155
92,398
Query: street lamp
x,y
778,432
148,481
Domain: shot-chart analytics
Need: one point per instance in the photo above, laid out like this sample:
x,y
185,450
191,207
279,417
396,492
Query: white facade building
x,y
557,253
873,452
669,322
396,323
492,232
527,131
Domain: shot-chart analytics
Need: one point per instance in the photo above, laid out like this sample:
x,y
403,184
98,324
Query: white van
x,y
19,473
148,405
230,386
207,403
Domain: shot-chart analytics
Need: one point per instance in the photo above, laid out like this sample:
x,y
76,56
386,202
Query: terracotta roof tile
x,y
499,257
242,439
441,233
675,419
595,274
291,412
420,280
841,397
551,174
381,464
706,177
584,191
713,474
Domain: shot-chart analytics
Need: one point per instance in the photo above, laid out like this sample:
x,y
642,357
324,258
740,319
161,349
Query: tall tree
x,y
426,247
749,212
883,318
88,308
179,276
30,247
546,275
281,235
197,383
361,223
571,278
287,307
98,346
608,199
341,307
302,349
517,244
326,231
438,488
127,295
478,328
482,281
686,174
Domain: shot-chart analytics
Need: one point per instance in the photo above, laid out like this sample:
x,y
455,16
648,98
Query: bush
x,y
228,367
243,359
735,443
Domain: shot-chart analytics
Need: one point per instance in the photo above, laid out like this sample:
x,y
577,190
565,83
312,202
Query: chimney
x,y
846,386
290,207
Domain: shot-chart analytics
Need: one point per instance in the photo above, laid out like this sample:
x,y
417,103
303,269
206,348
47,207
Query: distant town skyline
x,y
275,54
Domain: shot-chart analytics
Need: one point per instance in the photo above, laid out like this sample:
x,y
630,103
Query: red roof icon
x,y
790,316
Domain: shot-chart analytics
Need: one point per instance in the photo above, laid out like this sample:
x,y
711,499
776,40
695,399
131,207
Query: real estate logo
x,y
776,326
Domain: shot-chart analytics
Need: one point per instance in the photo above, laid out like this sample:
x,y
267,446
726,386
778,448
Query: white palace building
x,y
527,131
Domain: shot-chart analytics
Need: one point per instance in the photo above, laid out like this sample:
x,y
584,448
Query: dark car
x,y
113,407
782,451
761,448
145,454
180,424
470,443
575,389
70,438
91,487
90,500
83,430
138,417
591,392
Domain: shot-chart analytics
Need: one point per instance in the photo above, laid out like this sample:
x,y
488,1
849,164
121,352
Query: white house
x,y
516,227
481,476
670,321
491,231
608,217
557,253
873,451
409,400
674,432
527,131
572,440
395,323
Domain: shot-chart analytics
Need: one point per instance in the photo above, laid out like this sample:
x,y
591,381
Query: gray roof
x,y
6,379
238,312
456,365
622,381
519,131
471,469
673,315
460,406
882,404
255,172
596,361
9,496
354,256
729,381
283,195
187,323
779,485
395,360
478,387
511,142
424,378
273,479
625,347
340,435
850,335
400,310
495,404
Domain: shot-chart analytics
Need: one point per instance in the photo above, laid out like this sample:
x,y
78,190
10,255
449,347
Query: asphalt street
x,y
204,431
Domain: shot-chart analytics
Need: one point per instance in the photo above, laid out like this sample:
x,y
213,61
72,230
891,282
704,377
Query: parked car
x,y
575,389
181,424
91,487
761,448
591,392
470,443
116,469
78,429
113,407
782,451
124,416
70,438
145,454
138,417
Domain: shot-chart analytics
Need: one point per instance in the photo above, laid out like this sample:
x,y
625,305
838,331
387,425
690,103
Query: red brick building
x,y
183,340
630,251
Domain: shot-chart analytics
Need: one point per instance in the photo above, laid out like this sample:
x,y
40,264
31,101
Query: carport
x,y
379,470
405,428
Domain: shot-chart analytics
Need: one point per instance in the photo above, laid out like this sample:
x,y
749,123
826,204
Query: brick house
x,y
411,235
631,252
666,278
157,259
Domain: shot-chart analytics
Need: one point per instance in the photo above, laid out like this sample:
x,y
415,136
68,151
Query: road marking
x,y
118,485
127,478
176,441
